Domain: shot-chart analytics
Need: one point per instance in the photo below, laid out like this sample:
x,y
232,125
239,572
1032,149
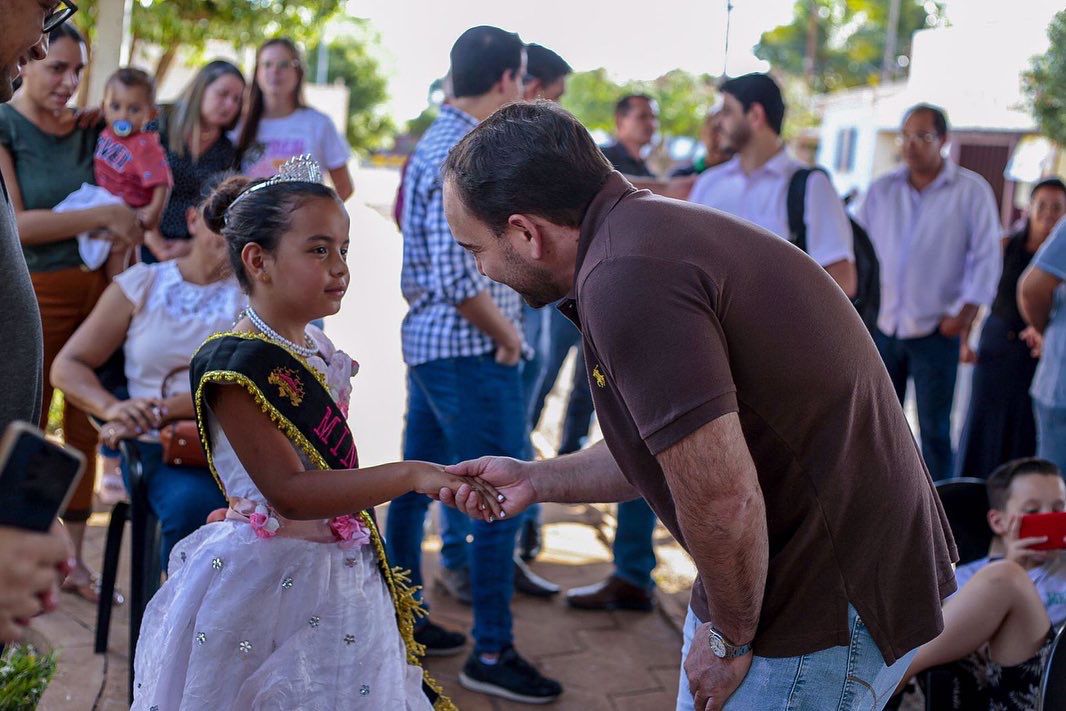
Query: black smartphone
x,y
37,477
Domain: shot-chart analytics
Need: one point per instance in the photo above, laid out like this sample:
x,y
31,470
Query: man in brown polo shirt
x,y
740,394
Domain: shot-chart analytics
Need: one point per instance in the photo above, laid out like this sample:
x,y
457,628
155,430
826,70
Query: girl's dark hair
x,y
260,217
65,31
255,94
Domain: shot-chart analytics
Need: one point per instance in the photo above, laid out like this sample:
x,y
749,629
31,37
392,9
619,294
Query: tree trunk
x,y
134,41
809,61
164,64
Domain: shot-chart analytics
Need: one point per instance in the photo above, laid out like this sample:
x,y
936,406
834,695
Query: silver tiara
x,y
298,169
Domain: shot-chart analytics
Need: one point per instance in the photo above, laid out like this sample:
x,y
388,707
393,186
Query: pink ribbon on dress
x,y
347,531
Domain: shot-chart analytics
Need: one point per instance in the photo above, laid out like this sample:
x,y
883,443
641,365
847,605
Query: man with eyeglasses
x,y
936,231
27,560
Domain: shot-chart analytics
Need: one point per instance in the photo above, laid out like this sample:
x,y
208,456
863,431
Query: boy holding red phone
x,y
1015,490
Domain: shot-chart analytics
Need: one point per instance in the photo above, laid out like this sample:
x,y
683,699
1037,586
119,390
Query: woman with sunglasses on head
x,y
279,125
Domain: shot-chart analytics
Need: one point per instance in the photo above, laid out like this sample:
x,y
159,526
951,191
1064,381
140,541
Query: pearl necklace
x,y
258,322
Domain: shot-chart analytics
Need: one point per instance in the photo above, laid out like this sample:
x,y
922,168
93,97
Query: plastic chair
x,y
1053,684
965,502
146,566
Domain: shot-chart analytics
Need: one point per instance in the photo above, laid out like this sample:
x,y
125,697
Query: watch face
x,y
718,646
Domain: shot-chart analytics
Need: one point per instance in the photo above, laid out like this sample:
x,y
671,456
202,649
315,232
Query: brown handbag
x,y
181,438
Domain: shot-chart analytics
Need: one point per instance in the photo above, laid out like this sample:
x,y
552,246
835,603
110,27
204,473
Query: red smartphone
x,y
1050,525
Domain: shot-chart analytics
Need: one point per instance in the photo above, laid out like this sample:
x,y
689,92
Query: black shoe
x,y
529,583
438,641
529,540
511,677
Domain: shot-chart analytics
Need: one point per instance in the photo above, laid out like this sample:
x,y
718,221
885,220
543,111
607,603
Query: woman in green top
x,y
45,156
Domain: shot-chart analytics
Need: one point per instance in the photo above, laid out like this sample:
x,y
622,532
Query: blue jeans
x,y
562,336
933,362
841,678
180,497
634,553
459,409
1051,433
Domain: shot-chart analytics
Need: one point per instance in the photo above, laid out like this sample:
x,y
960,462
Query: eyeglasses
x,y
284,65
63,12
925,137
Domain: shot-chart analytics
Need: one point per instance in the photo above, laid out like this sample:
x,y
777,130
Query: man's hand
x,y
31,565
509,349
509,477
1034,339
960,324
710,679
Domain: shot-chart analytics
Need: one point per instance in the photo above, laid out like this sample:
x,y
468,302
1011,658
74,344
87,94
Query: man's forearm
x,y
482,311
585,477
722,515
728,543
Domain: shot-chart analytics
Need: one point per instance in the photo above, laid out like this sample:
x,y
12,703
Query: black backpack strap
x,y
797,198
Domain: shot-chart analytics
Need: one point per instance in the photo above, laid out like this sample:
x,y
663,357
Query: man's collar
x,y
614,189
459,114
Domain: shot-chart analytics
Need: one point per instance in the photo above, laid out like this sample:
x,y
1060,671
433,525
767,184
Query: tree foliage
x,y
683,99
189,24
353,62
849,40
1045,83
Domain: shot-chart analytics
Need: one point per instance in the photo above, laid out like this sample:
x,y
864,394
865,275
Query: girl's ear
x,y
253,257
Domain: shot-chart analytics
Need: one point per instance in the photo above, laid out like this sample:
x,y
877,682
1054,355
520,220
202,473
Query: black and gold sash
x,y
296,398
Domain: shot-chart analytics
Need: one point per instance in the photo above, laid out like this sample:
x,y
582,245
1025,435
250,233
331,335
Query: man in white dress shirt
x,y
936,231
753,185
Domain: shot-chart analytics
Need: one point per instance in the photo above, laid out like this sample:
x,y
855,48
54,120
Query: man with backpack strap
x,y
754,184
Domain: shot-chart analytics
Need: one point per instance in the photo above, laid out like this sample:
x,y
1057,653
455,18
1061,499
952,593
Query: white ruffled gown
x,y
246,622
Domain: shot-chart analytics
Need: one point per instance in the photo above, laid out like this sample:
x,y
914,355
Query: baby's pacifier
x,y
122,128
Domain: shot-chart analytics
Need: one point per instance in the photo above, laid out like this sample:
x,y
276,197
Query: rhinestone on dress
x,y
183,556
314,622
201,637
216,563
286,583
364,690
246,646
154,708
349,562
349,639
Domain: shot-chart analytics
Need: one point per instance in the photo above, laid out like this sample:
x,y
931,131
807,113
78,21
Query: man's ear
x,y
529,235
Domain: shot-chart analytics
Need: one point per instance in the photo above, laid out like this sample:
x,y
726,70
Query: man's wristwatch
x,y
724,649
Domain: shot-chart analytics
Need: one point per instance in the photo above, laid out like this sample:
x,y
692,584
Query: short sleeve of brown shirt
x,y
661,344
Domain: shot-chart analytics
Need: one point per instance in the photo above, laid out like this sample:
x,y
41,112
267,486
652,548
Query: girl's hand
x,y
433,481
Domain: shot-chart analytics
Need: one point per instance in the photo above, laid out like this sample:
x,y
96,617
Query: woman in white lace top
x,y
158,314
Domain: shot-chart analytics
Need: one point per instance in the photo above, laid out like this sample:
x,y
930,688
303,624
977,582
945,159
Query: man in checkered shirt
x,y
462,343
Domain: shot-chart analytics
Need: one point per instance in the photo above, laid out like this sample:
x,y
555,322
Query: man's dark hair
x,y
940,119
999,481
626,103
480,56
133,78
545,65
528,157
758,89
1053,183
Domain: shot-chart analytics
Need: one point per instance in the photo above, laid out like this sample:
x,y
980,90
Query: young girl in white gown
x,y
288,603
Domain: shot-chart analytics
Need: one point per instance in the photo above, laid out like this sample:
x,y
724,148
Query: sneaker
x,y
438,641
456,583
511,678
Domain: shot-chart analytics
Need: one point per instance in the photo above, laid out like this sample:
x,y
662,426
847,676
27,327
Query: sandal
x,y
90,590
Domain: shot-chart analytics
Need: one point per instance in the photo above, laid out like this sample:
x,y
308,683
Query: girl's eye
x,y
344,251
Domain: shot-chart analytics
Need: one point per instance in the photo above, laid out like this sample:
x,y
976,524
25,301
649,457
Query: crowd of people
x,y
171,263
